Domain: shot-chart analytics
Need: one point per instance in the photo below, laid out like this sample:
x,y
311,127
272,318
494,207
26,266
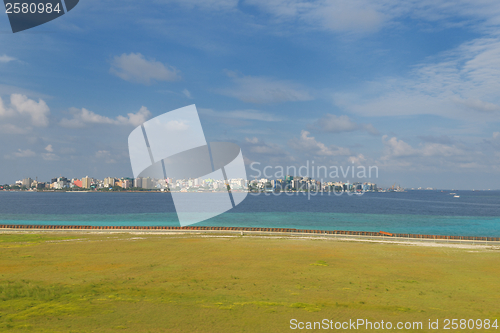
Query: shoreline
x,y
341,235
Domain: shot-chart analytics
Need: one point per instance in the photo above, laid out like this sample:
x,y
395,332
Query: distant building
x,y
138,182
86,182
147,183
27,182
126,183
109,182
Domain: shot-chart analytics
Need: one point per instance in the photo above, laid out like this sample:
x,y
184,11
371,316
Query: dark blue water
x,y
424,212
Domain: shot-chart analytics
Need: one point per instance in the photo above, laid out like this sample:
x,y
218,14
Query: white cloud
x,y
135,119
478,105
24,153
5,58
50,157
176,125
241,114
370,129
358,160
397,148
339,16
367,16
308,144
105,155
186,93
335,124
21,105
463,84
338,124
4,111
21,154
82,117
37,111
13,129
257,146
134,67
428,155
264,90
206,4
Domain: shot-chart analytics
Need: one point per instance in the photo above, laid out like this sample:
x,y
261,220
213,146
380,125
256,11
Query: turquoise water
x,y
418,212
421,224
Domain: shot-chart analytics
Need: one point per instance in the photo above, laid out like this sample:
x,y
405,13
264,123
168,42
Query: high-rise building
x,y
86,182
126,183
109,182
27,182
147,183
138,182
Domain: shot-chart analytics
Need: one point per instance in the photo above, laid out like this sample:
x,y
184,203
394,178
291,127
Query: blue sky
x,y
410,87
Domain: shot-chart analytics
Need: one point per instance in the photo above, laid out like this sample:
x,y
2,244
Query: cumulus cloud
x,y
397,148
50,157
264,90
82,117
254,145
399,153
20,153
21,105
135,119
5,58
13,129
38,111
338,124
359,159
308,144
134,67
24,153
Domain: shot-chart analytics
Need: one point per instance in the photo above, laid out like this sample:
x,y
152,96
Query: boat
x,y
456,196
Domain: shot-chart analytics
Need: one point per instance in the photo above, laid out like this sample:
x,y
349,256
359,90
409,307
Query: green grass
x,y
115,283
31,238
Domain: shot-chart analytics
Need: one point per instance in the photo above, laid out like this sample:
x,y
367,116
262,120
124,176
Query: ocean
x,y
419,212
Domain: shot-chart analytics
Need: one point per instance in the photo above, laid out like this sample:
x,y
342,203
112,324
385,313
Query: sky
x,y
410,87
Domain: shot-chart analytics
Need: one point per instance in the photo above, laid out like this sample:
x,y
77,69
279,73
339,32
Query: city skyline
x,y
408,87
287,183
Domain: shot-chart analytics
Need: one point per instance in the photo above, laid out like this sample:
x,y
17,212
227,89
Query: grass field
x,y
156,283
